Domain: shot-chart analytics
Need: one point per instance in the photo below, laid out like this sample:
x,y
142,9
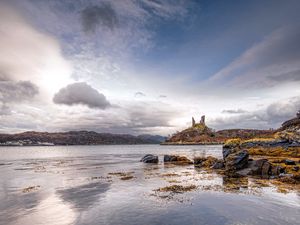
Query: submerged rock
x,y
177,159
149,158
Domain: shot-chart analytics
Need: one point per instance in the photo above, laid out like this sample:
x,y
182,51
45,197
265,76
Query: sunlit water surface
x,y
76,185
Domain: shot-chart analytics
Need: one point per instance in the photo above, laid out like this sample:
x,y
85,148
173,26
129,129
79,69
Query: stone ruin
x,y
202,121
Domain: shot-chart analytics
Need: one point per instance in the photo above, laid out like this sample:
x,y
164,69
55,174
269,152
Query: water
x,y
81,185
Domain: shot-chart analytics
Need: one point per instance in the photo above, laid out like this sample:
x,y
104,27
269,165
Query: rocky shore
x,y
276,157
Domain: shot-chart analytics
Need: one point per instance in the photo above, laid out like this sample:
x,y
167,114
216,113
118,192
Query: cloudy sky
x,y
147,66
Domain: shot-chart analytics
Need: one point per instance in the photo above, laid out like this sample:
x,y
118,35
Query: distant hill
x,y
75,138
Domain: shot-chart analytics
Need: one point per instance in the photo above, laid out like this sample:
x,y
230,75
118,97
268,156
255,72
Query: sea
x,y
107,184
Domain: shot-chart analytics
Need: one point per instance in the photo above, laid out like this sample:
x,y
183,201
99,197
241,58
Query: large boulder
x,y
149,158
237,160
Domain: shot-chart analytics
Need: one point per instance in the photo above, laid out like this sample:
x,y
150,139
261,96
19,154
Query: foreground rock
x,y
149,158
177,159
208,162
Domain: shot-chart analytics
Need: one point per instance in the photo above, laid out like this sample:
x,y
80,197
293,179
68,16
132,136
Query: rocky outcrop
x,y
262,168
149,158
236,160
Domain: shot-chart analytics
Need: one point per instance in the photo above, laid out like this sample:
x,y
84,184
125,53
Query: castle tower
x,y
202,121
193,122
298,114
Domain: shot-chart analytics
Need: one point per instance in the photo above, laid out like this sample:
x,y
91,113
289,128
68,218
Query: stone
x,y
227,151
218,165
289,162
237,160
202,121
177,159
149,158
266,167
193,122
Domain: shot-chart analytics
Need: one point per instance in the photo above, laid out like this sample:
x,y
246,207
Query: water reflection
x,y
83,185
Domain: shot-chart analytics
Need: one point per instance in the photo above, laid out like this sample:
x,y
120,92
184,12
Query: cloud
x,y
271,116
28,54
139,94
234,111
19,91
103,15
162,96
273,61
81,93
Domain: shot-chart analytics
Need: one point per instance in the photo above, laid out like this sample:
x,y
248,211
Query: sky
x,y
147,66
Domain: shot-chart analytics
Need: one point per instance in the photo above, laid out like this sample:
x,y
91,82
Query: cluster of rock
x,y
237,163
149,158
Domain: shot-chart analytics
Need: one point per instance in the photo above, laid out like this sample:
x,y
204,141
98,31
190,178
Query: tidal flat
x,y
62,185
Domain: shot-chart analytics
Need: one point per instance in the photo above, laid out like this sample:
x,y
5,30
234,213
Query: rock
x,y
227,151
149,158
218,165
177,159
207,162
266,167
263,168
289,162
237,160
296,168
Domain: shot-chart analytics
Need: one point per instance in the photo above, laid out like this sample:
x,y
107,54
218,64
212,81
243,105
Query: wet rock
x,y
262,168
206,162
265,169
177,159
289,162
149,158
218,165
237,160
226,152
296,168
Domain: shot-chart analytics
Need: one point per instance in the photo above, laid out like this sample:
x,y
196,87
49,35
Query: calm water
x,y
79,185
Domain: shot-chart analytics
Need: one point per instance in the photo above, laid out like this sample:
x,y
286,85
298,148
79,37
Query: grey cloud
x,y
234,111
162,96
81,93
17,91
93,16
273,61
139,94
270,117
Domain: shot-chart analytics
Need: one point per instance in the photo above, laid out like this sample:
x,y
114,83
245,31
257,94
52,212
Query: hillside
x,y
200,133
74,138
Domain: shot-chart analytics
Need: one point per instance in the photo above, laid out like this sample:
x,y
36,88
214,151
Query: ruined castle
x,y
202,121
